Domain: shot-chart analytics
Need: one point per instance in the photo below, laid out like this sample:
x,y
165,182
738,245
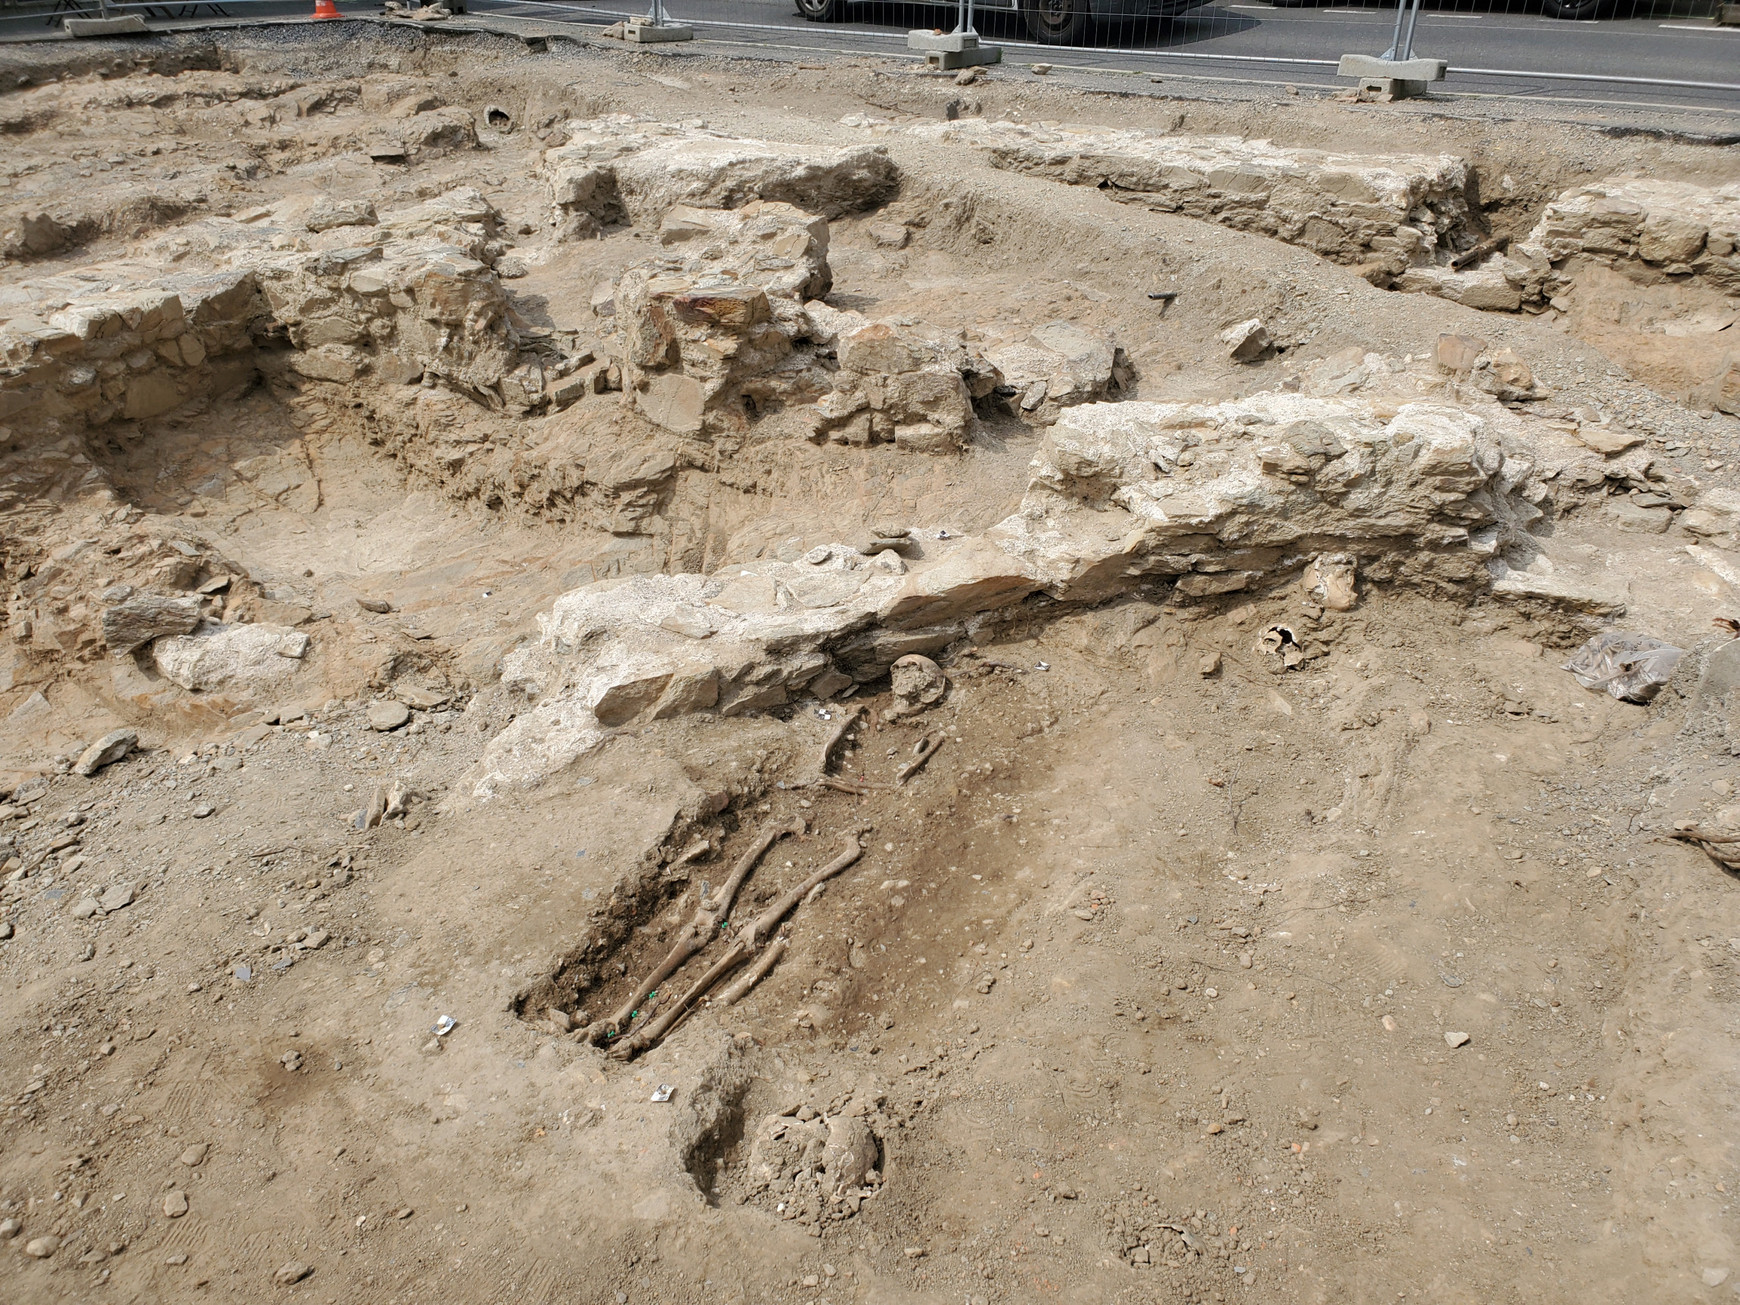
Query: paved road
x,y
1662,57
1648,59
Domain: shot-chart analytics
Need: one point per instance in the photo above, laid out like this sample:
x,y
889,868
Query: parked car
x,y
1053,22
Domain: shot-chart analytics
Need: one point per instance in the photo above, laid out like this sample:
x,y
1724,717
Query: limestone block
x,y
236,657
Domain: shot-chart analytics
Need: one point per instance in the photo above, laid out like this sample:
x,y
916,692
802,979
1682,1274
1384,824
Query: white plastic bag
x,y
1631,667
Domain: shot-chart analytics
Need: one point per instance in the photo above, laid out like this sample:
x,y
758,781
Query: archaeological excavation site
x,y
630,675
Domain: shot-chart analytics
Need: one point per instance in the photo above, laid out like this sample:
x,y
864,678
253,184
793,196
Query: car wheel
x,y
1058,22
1575,10
822,11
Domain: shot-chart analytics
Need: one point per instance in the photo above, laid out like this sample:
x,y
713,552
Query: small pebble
x,y
194,1155
1457,1039
41,1248
175,1204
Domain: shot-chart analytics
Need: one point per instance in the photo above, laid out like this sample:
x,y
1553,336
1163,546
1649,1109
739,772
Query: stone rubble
x,y
808,1167
1058,365
709,338
106,751
1247,341
911,386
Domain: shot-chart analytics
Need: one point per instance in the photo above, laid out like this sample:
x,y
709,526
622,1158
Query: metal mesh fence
x,y
1644,40
1616,51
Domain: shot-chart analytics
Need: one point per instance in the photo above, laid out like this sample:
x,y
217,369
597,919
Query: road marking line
x,y
1689,27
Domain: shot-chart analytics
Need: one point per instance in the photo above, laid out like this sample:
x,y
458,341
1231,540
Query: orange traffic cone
x,y
326,9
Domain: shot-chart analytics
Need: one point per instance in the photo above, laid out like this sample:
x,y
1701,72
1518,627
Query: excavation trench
x,y
845,942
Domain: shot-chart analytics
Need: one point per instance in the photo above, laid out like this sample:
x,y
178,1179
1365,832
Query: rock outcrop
x,y
235,657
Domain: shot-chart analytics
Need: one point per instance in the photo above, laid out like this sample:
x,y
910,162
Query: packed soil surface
x,y
1174,974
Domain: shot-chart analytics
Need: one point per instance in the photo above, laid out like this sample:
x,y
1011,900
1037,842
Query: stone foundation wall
x,y
137,355
1381,209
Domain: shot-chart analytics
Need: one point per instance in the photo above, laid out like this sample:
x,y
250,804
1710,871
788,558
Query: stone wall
x,y
1354,208
407,295
1209,499
92,357
627,169
1661,231
1670,228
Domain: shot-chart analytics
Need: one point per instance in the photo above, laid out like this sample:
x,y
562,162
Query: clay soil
x,y
1172,977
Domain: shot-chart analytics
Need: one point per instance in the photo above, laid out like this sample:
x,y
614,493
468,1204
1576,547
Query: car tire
x,y
1577,11
1058,22
822,11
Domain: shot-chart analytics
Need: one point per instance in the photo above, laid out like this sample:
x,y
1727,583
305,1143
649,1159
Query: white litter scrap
x,y
663,1092
445,1025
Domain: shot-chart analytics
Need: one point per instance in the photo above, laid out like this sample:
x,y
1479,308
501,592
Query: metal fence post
x,y
1402,44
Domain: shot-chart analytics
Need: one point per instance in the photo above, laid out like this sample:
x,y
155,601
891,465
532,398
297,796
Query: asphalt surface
x,y
1661,55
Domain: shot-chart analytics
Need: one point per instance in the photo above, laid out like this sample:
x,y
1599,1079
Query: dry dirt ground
x,y
1172,977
